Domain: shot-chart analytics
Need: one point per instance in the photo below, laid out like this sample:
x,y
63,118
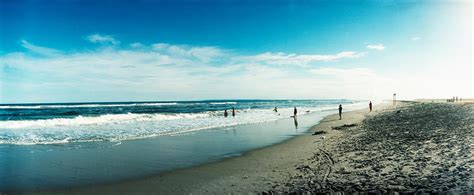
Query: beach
x,y
236,97
45,152
412,147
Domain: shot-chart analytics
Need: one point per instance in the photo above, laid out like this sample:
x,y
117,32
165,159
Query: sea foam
x,y
84,105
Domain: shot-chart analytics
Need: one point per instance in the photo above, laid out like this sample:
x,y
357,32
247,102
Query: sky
x,y
145,50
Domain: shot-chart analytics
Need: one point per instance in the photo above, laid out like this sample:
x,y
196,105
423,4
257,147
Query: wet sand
x,y
411,147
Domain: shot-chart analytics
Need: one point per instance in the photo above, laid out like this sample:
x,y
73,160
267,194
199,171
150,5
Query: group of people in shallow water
x,y
227,114
295,111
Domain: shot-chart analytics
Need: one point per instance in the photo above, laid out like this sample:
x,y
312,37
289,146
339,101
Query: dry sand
x,y
410,147
417,147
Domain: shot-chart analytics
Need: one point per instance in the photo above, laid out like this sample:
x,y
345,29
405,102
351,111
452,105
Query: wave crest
x,y
86,105
97,120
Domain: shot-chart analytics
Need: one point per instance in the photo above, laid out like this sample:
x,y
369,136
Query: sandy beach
x,y
412,147
236,97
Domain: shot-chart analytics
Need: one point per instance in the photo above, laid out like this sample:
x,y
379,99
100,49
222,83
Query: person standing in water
x,y
296,122
225,113
233,112
340,112
370,106
275,109
295,111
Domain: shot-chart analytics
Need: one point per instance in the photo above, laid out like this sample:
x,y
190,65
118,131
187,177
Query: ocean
x,y
49,146
25,124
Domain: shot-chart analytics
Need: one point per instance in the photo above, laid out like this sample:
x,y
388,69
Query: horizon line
x,y
171,101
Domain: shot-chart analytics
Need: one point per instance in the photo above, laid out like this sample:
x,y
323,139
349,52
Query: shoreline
x,y
257,170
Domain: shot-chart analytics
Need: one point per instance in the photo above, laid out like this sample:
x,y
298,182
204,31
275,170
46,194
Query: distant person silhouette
x,y
233,112
370,106
394,99
225,113
296,123
340,112
275,109
295,111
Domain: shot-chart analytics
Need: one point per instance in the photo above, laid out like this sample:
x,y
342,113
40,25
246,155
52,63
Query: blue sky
x,y
69,51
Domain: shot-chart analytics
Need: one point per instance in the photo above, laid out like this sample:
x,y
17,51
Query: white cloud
x,y
104,39
164,71
167,71
379,47
38,49
204,54
160,46
302,60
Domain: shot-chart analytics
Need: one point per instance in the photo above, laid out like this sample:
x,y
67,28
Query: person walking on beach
x,y
394,99
370,106
295,111
225,113
340,112
233,112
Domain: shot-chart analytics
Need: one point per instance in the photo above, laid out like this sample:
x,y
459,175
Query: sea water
x,y
46,146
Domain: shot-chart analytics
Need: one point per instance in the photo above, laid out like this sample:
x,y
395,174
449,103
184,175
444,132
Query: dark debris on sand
x,y
319,132
418,147
345,126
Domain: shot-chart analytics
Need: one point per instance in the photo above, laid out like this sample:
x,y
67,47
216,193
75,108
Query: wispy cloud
x,y
379,47
294,59
205,54
38,49
168,71
104,39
